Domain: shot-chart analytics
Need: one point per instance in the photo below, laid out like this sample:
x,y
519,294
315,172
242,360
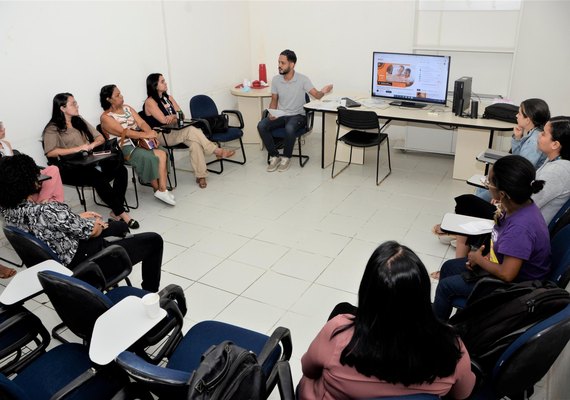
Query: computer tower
x,y
461,95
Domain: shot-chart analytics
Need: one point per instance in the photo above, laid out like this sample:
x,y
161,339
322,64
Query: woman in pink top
x,y
393,345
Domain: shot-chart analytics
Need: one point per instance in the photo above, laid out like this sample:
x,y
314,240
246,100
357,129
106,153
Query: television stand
x,y
409,104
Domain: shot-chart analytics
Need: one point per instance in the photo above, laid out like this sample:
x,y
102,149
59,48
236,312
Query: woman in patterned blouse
x,y
73,237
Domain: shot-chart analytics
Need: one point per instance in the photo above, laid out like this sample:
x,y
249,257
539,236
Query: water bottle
x,y
262,73
180,118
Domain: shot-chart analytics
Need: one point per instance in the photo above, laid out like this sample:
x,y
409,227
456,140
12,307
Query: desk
x,y
466,225
175,127
473,135
120,327
251,106
25,284
89,160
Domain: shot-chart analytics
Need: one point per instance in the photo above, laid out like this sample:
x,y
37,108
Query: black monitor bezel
x,y
415,99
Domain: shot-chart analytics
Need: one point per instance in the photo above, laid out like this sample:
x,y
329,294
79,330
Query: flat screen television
x,y
411,80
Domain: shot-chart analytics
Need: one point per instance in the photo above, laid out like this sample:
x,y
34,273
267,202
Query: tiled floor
x,y
263,250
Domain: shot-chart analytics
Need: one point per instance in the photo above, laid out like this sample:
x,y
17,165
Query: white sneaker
x,y
273,163
284,165
163,196
170,194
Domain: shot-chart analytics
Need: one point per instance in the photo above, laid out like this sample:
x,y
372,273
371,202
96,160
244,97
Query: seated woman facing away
x,y
121,120
393,345
72,237
51,189
160,108
520,245
68,133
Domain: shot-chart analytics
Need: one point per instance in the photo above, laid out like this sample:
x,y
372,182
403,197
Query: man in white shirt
x,y
287,95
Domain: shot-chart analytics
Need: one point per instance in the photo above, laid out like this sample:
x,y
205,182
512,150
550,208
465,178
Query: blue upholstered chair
x,y
526,360
20,328
203,107
79,304
172,381
63,372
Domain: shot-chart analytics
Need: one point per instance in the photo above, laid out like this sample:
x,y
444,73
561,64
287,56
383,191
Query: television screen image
x,y
410,77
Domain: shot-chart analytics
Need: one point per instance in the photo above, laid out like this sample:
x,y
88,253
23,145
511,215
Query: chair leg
x,y
81,194
134,180
303,159
334,161
173,164
222,160
378,162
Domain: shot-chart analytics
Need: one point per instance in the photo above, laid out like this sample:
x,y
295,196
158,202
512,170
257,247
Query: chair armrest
x,y
74,384
280,337
239,116
203,124
285,382
106,268
140,369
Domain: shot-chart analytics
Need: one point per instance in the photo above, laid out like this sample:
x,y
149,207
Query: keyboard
x,y
409,104
351,103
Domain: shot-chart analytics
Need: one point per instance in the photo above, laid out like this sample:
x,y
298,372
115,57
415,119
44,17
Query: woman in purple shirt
x,y
520,245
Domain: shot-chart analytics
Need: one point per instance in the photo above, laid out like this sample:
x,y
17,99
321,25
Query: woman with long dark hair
x,y
392,344
160,108
73,237
119,119
520,244
68,133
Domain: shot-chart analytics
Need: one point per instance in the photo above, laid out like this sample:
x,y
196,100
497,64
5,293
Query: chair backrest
x,y
202,106
64,292
29,248
530,357
560,263
560,219
357,119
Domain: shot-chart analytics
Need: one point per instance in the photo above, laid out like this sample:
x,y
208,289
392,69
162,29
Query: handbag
x,y
147,144
218,123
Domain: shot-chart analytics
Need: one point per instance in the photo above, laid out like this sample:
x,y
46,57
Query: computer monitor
x,y
412,80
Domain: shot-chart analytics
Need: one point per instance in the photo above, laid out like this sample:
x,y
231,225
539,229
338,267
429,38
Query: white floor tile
x,y
232,276
276,289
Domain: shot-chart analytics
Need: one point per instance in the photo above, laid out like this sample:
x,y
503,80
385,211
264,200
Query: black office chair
x,y
203,107
280,133
29,248
172,381
79,304
23,338
560,219
366,132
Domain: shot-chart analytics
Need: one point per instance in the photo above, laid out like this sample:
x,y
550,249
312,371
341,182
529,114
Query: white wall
x,y
48,47
542,59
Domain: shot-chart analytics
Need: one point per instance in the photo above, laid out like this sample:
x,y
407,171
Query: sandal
x,y
6,272
443,237
201,182
225,154
132,224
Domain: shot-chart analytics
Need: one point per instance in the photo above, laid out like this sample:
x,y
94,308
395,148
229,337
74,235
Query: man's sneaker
x,y
284,164
273,164
163,196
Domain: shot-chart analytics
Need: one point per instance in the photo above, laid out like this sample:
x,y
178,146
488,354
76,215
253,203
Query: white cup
x,y
151,304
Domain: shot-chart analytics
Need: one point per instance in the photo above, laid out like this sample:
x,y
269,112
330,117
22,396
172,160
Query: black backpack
x,y
502,112
491,323
227,372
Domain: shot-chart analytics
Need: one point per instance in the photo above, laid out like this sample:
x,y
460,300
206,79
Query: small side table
x,y
251,106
